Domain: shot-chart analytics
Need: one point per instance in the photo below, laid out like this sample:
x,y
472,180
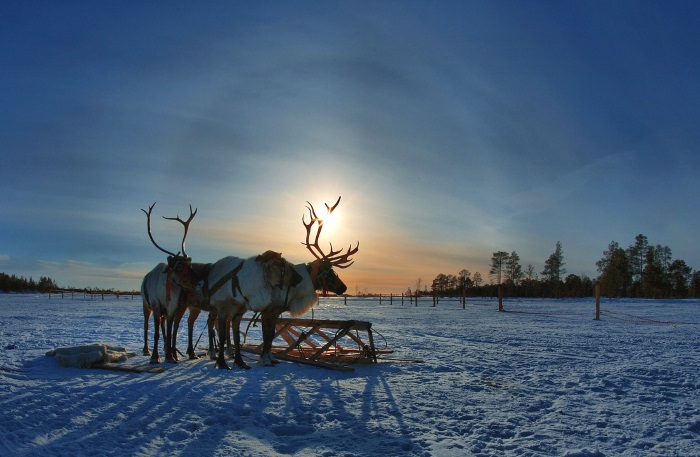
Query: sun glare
x,y
329,221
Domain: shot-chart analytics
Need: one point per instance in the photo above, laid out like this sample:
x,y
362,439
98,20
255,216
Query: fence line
x,y
91,294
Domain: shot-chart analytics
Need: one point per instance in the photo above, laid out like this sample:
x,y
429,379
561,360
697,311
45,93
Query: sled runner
x,y
332,344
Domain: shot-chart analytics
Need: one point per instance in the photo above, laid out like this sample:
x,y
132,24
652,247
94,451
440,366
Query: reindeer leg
x,y
173,334
162,331
157,318
235,325
169,341
146,317
269,321
221,360
230,349
194,313
212,335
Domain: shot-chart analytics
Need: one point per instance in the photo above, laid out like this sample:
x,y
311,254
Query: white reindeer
x,y
229,287
316,275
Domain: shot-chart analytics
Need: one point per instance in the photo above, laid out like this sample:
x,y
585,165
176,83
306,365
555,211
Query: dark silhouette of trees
x,y
642,270
13,283
615,275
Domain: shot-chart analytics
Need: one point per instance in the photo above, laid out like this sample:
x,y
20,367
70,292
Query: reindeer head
x,y
179,265
278,271
321,270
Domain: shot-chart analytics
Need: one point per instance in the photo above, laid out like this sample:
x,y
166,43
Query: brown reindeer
x,y
161,289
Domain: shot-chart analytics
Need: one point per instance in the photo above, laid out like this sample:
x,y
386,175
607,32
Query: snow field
x,y
542,379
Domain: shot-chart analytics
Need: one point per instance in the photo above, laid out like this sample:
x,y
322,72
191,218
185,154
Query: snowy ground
x,y
545,380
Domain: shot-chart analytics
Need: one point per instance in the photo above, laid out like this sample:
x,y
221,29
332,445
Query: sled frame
x,y
318,342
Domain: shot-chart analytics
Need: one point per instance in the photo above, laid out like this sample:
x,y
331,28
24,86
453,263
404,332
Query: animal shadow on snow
x,y
291,411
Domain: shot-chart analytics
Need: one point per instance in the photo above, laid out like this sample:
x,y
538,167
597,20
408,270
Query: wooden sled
x,y
318,343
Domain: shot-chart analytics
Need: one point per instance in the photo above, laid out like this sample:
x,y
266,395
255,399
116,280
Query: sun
x,y
329,221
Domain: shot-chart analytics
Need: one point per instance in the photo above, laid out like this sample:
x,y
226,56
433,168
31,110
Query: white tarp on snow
x,y
86,356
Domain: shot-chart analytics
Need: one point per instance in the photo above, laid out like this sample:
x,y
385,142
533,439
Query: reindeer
x,y
253,284
161,289
237,284
316,275
225,288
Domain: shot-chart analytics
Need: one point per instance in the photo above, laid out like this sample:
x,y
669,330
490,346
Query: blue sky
x,y
451,129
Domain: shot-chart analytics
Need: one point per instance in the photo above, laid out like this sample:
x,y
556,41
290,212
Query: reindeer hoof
x,y
221,366
155,361
266,360
193,356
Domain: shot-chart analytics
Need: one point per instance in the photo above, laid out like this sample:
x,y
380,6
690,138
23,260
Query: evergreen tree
x,y
615,272
554,265
679,275
514,271
695,285
636,255
573,286
498,264
477,279
656,272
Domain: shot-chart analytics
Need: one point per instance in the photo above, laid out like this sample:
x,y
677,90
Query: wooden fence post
x,y
597,302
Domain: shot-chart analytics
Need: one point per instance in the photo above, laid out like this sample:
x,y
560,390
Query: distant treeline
x,y
640,271
12,283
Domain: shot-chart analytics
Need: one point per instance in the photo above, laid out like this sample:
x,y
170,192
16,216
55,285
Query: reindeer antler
x,y
334,257
150,235
186,224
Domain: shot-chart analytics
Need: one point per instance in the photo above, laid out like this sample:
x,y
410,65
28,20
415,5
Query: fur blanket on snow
x,y
86,356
